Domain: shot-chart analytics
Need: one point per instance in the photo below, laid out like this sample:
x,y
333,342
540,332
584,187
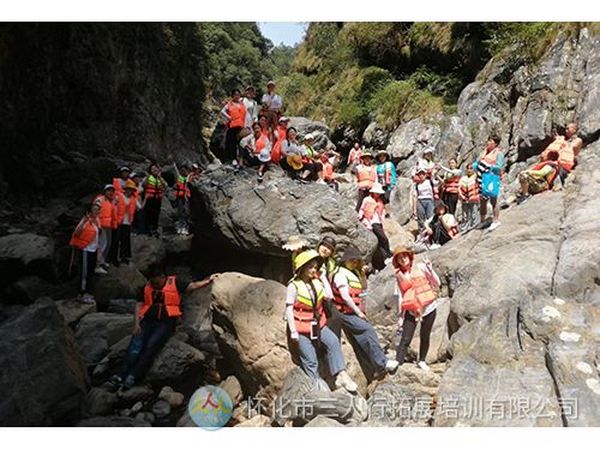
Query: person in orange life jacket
x,y
154,191
278,136
108,223
371,215
366,176
234,113
450,181
442,227
256,150
491,160
156,315
354,157
416,290
127,206
349,286
85,240
422,197
312,164
539,178
568,147
137,227
387,177
468,193
119,183
182,198
328,171
307,323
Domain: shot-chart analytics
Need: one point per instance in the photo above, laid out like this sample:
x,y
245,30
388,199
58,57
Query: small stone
x,y
161,409
594,385
584,367
125,412
566,336
137,407
175,399
550,313
559,301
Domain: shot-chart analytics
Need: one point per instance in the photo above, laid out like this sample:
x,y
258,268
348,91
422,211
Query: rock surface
x,y
97,332
26,254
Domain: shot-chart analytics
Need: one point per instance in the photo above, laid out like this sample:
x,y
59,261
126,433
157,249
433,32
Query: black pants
x,y
409,326
451,199
362,193
87,265
113,253
123,243
384,243
231,144
314,168
144,347
152,213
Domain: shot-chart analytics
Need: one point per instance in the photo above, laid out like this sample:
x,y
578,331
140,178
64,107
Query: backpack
x,y
490,185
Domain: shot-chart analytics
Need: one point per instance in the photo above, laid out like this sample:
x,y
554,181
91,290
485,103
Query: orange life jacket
x,y
108,212
354,155
552,175
181,187
305,304
417,293
85,232
367,175
369,208
172,299
117,185
469,189
451,185
280,135
556,145
356,290
566,157
154,188
327,171
122,209
261,143
237,114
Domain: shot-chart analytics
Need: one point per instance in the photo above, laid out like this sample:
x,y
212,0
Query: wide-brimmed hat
x,y
382,152
270,82
377,189
428,150
304,258
366,154
351,253
295,243
402,249
107,187
309,137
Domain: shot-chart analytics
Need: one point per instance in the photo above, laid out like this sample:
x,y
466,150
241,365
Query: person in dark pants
x,y
156,315
371,215
154,190
416,289
234,113
85,240
126,208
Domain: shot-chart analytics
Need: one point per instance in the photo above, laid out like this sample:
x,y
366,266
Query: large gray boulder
x,y
44,379
26,254
318,129
97,332
123,282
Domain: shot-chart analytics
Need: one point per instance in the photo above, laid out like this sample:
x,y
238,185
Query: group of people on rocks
x,y
131,204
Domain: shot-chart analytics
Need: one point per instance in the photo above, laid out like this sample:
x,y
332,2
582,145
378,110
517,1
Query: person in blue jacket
x,y
387,177
489,171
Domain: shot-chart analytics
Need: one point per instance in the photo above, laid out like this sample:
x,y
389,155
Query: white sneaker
x,y
391,365
423,365
343,380
387,261
321,182
434,246
100,271
494,225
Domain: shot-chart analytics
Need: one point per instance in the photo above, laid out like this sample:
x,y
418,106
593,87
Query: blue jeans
x,y
365,337
333,353
424,211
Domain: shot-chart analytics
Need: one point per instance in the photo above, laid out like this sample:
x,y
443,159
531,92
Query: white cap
x,y
377,189
309,136
428,150
124,169
107,187
284,119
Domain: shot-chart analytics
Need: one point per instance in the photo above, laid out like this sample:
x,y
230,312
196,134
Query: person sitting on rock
x,y
422,198
443,226
326,250
278,136
468,192
119,183
127,206
539,178
256,150
387,177
366,176
154,191
108,223
156,315
568,148
307,323
85,240
371,216
416,290
490,162
450,181
349,286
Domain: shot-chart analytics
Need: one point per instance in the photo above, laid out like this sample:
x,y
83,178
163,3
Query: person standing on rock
x,y
234,114
366,176
251,106
307,323
272,104
422,198
371,215
127,207
108,223
85,239
489,171
156,315
568,148
416,289
182,198
450,181
387,177
154,191
354,157
119,183
349,286
468,192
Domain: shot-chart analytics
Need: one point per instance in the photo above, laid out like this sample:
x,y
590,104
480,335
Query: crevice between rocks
x,y
550,368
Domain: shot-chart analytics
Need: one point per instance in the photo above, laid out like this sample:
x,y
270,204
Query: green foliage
x,y
525,39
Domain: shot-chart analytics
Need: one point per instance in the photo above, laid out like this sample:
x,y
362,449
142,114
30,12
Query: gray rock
x,y
73,310
44,379
318,129
97,332
233,387
124,281
26,254
145,417
136,394
112,421
147,250
100,402
122,306
27,289
161,409
375,136
323,422
174,399
197,320
175,363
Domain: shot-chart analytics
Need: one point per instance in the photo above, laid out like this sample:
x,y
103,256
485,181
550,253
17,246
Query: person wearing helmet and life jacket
x,y
422,198
349,286
416,290
366,176
157,313
468,192
127,206
443,226
568,148
307,323
234,115
256,150
489,171
386,176
85,240
107,202
371,215
539,178
119,183
154,191
450,180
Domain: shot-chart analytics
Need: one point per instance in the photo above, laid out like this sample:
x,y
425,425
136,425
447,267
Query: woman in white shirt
x,y
251,106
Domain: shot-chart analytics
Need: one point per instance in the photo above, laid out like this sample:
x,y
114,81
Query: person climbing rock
x,y
450,179
366,176
416,290
349,286
489,171
371,216
568,148
539,178
422,198
468,192
127,207
156,315
307,323
119,183
443,226
154,191
234,114
108,223
387,177
256,150
85,240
